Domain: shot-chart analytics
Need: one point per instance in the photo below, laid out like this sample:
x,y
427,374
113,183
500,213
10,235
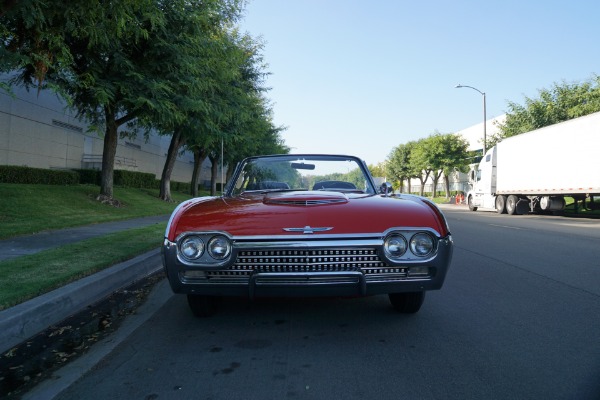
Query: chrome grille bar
x,y
303,260
313,261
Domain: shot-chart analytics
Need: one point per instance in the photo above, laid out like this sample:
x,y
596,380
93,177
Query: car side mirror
x,y
386,189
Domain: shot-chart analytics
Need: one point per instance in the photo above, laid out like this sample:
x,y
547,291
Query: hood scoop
x,y
312,198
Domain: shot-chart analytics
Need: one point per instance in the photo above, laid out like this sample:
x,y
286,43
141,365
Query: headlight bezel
x,y
395,239
209,257
414,238
421,239
191,242
219,241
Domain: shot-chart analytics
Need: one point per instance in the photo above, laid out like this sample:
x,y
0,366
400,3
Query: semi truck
x,y
535,171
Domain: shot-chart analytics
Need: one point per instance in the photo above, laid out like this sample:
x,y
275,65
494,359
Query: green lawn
x,y
26,209
25,277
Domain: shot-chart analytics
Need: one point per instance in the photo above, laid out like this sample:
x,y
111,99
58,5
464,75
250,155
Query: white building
x,y
37,130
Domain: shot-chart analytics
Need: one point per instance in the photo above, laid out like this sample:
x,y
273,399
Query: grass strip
x,y
29,276
27,209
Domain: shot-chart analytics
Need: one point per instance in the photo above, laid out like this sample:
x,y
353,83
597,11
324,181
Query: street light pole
x,y
484,112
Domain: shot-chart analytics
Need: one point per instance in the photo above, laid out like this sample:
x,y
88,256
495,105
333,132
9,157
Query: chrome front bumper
x,y
315,268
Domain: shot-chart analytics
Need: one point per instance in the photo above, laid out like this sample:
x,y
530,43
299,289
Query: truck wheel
x,y
511,204
501,204
407,303
202,306
470,203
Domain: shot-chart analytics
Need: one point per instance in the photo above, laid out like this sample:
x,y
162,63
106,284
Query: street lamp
x,y
484,116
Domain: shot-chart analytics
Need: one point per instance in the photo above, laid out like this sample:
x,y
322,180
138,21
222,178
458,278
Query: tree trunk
x,y
229,173
165,180
436,178
423,179
447,186
108,154
199,157
214,170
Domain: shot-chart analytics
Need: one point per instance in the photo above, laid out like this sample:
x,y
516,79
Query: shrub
x,y
27,175
183,187
89,176
134,179
18,174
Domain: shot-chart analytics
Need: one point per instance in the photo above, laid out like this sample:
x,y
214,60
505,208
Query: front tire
x,y
470,203
407,303
202,306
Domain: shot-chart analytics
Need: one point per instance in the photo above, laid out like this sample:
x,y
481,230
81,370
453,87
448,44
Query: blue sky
x,y
361,77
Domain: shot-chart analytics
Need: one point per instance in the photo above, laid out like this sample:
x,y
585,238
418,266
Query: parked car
x,y
306,225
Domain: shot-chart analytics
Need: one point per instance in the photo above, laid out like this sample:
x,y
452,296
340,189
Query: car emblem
x,y
308,229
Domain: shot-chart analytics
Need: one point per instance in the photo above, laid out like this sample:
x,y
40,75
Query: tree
x,y
455,157
239,119
378,170
114,61
87,51
561,102
425,158
203,94
399,165
439,154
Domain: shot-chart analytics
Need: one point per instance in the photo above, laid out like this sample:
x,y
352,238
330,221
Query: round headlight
x,y
192,247
219,247
421,244
395,246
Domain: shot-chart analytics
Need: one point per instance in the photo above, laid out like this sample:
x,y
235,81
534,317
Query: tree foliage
x,y
428,157
177,67
378,170
561,102
399,166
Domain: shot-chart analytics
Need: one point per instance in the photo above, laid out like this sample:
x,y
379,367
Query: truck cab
x,y
482,179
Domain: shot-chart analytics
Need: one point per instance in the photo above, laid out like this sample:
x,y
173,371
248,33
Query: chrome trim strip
x,y
306,203
308,229
379,235
203,233
302,242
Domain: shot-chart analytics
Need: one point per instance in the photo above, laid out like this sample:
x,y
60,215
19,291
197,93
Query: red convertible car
x,y
306,225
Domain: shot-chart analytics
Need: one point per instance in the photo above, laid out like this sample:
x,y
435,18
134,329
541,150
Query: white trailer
x,y
534,171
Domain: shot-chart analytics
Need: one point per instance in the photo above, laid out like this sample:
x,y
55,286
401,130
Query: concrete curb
x,y
27,319
71,372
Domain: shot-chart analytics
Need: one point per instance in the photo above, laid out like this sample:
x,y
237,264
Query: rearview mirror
x,y
303,166
386,189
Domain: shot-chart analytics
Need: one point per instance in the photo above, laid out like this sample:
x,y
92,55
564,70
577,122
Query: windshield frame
x,y
369,183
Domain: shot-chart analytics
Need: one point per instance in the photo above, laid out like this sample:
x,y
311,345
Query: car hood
x,y
304,213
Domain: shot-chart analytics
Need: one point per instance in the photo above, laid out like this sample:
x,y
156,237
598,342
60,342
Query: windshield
x,y
304,172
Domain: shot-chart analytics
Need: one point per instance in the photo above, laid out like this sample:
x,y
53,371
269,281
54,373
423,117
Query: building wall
x,y
38,130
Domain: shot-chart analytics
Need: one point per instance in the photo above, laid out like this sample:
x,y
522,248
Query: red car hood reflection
x,y
271,213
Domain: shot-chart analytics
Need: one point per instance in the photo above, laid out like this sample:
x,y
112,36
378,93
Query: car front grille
x,y
312,261
322,260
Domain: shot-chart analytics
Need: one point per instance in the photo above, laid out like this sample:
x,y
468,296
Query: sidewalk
x,y
25,320
31,244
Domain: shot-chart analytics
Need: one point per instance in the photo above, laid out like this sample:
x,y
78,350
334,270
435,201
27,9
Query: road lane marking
x,y
506,226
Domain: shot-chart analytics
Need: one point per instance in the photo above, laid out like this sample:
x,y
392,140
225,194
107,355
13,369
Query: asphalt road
x,y
518,318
